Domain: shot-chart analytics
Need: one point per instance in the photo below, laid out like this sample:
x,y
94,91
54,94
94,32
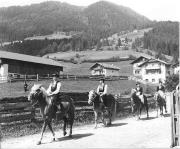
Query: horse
x,y
137,104
160,102
105,108
48,111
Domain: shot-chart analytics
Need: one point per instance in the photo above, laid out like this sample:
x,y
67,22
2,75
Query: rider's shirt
x,y
54,88
102,89
139,90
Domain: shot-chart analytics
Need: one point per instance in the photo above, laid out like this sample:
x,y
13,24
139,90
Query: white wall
x,y
3,72
109,72
136,68
154,77
106,72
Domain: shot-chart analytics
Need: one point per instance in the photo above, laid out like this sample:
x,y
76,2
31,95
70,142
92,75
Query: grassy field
x,y
83,68
114,87
95,55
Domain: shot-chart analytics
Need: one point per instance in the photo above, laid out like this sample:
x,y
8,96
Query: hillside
x,y
18,22
163,38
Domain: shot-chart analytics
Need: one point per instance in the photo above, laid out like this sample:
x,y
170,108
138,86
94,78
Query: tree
x,y
119,42
171,82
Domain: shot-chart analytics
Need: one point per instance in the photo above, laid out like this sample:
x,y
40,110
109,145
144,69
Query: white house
x,y
154,70
105,69
136,63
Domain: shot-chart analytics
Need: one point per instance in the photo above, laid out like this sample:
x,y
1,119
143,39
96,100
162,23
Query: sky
x,y
160,10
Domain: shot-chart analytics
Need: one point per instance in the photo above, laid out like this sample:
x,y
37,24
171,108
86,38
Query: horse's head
x,y
133,92
35,94
92,95
156,95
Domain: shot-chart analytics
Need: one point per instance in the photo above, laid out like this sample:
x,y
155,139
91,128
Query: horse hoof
x,y
53,139
39,142
166,111
64,133
95,127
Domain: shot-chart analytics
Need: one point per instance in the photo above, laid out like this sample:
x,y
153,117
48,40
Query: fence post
x,y
37,77
115,107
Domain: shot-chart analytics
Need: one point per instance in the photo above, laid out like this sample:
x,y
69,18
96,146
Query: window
x,y
153,80
136,71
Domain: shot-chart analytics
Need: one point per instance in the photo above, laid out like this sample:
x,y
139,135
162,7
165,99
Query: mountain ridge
x,y
44,18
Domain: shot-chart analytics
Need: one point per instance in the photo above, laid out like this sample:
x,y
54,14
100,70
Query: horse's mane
x,y
39,86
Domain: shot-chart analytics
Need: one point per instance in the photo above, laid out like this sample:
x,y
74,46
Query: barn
x,y
104,69
26,64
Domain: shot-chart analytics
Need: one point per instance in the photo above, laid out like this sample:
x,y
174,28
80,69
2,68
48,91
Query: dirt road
x,y
125,133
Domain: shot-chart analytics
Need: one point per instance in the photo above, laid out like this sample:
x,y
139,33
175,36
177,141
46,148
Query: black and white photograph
x,y
89,74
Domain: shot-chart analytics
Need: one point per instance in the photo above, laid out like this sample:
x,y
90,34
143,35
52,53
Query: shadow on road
x,y
149,118
75,137
117,124
167,115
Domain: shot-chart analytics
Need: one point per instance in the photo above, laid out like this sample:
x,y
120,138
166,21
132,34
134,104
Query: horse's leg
x,y
50,127
42,132
70,131
64,127
147,108
95,117
157,108
102,117
147,111
161,110
165,106
139,111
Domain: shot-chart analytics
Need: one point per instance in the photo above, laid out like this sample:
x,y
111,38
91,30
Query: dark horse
x,y
137,104
48,111
160,102
105,108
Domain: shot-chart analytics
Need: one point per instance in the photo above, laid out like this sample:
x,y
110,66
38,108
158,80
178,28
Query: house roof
x,y
154,60
139,58
107,66
28,58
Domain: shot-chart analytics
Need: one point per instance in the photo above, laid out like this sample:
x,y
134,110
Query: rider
x,y
161,92
54,89
139,92
102,89
161,89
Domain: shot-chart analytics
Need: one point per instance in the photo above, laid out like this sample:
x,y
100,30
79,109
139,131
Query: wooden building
x,y
104,69
25,64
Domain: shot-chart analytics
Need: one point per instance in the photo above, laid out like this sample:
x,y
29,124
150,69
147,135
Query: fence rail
x,y
19,109
36,77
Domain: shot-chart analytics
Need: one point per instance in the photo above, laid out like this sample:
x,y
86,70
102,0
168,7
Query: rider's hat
x,y
137,83
55,75
102,79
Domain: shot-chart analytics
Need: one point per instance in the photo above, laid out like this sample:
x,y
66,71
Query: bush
x,y
132,57
171,82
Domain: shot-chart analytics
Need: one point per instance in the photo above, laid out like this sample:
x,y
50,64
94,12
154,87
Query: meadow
x,y
15,89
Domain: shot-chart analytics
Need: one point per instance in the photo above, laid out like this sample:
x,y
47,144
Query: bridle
x,y
93,98
35,97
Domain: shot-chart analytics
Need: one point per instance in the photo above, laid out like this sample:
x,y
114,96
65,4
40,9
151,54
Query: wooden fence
x,y
19,110
62,76
175,119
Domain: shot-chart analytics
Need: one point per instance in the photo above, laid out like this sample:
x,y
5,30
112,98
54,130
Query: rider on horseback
x,y
102,89
139,92
161,90
54,90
